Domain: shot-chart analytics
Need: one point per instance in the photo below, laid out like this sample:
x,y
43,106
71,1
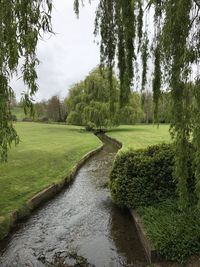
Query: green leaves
x,y
143,177
157,82
89,102
116,23
76,7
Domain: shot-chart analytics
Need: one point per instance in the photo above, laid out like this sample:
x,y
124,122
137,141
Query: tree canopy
x,y
90,104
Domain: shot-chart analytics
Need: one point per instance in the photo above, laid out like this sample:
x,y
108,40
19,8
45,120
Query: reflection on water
x,y
81,219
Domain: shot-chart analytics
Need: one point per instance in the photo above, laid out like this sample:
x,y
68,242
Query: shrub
x,y
26,119
144,177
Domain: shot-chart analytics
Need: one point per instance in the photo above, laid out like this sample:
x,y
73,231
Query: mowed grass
x,y
140,136
45,155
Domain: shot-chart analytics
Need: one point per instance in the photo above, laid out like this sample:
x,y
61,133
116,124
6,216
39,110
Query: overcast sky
x,y
67,57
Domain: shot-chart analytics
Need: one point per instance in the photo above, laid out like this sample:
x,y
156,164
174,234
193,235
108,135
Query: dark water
x,y
81,219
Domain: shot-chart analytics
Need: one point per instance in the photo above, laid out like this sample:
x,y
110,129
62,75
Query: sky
x,y
69,55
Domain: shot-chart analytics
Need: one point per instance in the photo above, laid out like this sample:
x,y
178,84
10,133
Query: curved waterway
x,y
80,221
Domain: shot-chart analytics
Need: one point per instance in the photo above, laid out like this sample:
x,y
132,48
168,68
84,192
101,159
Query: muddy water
x,y
81,219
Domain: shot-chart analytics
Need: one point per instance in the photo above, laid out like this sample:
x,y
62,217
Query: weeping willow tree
x,y
21,24
174,43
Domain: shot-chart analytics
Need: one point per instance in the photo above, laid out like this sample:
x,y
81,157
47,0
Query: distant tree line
x,y
90,104
51,110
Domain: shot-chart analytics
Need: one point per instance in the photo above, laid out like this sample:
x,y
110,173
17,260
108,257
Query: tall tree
x,y
90,104
56,109
40,109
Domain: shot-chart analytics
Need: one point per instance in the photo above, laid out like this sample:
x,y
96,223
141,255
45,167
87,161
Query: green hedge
x,y
144,177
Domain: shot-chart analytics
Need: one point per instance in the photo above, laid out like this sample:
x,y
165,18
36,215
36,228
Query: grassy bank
x,y
140,136
45,155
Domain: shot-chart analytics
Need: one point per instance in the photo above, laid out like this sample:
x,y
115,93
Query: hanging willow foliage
x,y
156,82
116,24
145,56
196,136
21,23
176,48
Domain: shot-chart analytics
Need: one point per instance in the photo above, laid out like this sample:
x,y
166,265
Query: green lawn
x,y
140,136
45,155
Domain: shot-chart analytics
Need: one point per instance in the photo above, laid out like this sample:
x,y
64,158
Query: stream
x,y
80,224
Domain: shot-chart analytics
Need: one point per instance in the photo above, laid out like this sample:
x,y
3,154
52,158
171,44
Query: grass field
x,y
45,155
140,136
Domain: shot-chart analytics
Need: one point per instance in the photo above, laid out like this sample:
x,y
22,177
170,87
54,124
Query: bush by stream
x,y
143,180
144,177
